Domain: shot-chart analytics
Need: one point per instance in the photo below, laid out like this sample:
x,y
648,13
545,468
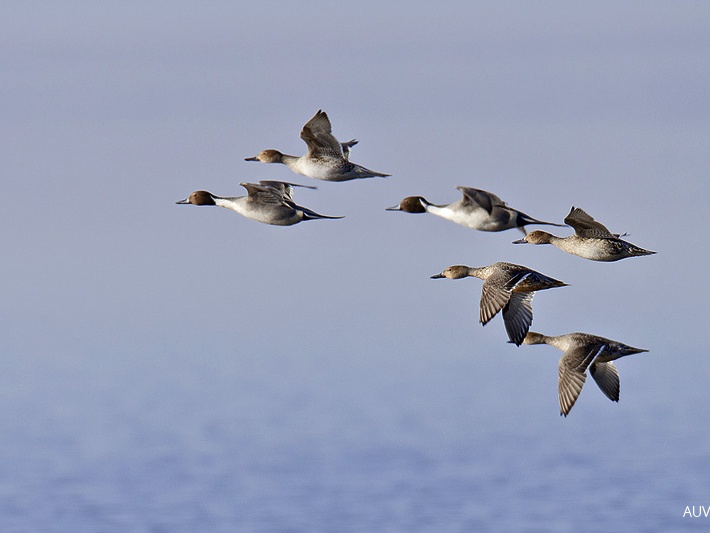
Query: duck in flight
x,y
584,351
508,287
326,158
268,202
478,209
591,240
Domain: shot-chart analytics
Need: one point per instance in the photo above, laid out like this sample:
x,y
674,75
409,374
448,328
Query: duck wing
x,y
494,297
585,226
571,371
607,378
346,146
317,134
264,194
283,187
518,316
484,199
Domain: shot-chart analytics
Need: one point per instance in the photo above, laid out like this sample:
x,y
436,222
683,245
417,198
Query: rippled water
x,y
283,442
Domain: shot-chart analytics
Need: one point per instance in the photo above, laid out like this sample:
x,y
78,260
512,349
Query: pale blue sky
x,y
112,112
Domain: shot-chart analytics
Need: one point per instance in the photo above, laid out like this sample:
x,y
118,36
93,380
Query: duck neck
x,y
535,338
289,160
559,342
477,272
441,210
234,203
554,239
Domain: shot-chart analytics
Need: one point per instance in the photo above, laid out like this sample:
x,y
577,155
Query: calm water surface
x,y
210,441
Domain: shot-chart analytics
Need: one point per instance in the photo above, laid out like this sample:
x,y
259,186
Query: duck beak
x,y
520,241
393,208
631,350
437,276
251,158
185,201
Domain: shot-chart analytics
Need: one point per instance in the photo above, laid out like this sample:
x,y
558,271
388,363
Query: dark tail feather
x,y
312,215
524,220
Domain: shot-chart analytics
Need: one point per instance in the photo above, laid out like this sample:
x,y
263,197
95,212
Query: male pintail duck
x,y
477,209
582,351
326,158
592,240
508,287
268,202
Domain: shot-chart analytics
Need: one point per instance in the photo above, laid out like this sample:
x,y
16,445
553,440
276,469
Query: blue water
x,y
206,438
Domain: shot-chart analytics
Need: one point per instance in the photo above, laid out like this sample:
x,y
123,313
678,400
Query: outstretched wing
x,y
346,146
607,378
572,373
317,135
518,316
265,194
585,226
483,199
493,298
283,187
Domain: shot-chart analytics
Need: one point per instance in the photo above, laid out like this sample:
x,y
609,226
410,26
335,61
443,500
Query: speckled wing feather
x,y
572,374
493,299
317,135
607,378
585,226
569,385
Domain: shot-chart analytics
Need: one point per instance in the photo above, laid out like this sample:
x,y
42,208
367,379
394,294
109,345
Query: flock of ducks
x,y
507,287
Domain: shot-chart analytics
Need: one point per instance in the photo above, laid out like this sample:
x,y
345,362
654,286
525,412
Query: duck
x,y
326,158
268,202
509,287
591,240
584,351
478,209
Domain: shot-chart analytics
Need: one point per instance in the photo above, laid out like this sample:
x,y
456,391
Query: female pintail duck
x,y
582,351
268,202
326,158
508,287
477,209
592,240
